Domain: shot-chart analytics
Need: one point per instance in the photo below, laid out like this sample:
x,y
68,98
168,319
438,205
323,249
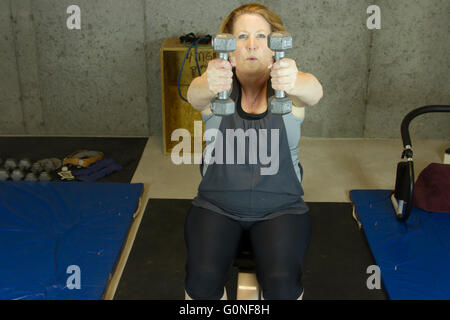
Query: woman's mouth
x,y
252,58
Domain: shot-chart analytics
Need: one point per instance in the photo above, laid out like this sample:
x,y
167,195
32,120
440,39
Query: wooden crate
x,y
176,113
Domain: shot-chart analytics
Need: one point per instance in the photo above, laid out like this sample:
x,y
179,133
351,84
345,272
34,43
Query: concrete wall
x,y
409,68
104,80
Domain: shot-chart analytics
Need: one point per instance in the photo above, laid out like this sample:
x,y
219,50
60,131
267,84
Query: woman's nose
x,y
251,43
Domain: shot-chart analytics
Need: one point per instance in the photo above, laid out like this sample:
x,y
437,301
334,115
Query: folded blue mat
x,y
47,228
414,257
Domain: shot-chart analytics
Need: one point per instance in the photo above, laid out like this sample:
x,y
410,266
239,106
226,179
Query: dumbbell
x,y
280,41
4,174
25,164
223,43
10,164
31,177
49,165
36,168
17,175
45,176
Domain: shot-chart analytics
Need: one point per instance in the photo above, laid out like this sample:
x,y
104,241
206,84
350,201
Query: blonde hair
x,y
252,8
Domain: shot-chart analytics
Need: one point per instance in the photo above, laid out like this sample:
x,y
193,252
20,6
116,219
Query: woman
x,y
233,197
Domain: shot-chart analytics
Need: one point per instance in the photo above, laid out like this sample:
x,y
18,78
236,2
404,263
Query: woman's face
x,y
251,54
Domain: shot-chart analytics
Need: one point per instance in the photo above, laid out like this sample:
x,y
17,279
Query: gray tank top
x,y
264,184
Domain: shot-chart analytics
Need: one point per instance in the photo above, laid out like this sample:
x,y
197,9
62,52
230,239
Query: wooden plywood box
x,y
176,113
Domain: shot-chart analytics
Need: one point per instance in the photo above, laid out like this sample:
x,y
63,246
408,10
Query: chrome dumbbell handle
x,y
223,95
279,93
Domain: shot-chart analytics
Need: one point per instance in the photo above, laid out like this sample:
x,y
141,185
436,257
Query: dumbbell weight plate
x,y
10,164
17,175
57,163
4,175
36,168
51,164
25,164
45,176
31,177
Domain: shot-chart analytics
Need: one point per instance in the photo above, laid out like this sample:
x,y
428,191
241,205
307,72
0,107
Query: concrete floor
x,y
332,167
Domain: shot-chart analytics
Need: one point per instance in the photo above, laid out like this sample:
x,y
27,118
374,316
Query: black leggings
x,y
279,246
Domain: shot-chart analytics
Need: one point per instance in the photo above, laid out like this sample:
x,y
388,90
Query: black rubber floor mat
x,y
335,266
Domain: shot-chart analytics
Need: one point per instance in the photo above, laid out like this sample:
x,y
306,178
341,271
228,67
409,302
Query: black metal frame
x,y
405,169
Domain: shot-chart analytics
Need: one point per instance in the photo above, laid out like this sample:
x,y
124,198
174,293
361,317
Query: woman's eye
x,y
262,36
242,36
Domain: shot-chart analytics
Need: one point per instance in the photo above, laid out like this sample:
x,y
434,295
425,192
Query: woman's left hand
x,y
284,74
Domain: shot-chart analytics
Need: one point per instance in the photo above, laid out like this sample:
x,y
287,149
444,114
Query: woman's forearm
x,y
199,95
307,90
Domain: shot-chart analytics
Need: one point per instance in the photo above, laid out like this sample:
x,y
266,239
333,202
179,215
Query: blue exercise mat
x,y
49,229
414,257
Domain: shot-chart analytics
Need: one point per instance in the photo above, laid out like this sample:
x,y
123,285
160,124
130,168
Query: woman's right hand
x,y
219,75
